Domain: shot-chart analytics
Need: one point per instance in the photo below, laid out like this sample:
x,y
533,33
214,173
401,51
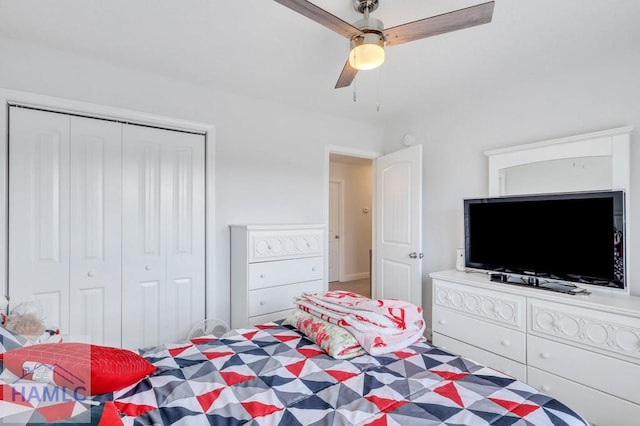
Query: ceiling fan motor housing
x,y
370,25
372,32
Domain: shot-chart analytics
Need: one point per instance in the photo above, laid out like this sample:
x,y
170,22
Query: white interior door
x,y
399,225
39,212
95,235
334,232
163,235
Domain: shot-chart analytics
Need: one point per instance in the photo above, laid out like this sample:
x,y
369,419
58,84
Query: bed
x,y
271,374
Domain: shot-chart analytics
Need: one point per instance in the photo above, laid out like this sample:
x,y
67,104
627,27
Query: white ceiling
x,y
263,49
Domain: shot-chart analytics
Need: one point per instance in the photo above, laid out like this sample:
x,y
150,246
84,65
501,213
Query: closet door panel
x,y
39,211
163,235
184,233
143,275
95,242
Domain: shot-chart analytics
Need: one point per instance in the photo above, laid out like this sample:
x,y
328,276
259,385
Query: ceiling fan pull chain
x,y
354,91
378,90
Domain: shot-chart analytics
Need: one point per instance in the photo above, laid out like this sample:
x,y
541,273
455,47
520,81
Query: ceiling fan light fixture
x,y
367,51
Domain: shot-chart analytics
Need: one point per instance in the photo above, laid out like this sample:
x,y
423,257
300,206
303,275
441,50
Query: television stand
x,y
537,282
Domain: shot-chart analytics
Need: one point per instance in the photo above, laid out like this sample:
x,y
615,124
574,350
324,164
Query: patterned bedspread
x,y
271,375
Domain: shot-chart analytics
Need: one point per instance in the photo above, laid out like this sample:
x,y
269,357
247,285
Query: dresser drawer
x,y
598,408
604,332
504,365
269,274
592,369
493,306
267,300
493,338
285,244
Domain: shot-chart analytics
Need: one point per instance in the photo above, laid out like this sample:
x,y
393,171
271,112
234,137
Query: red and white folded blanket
x,y
380,326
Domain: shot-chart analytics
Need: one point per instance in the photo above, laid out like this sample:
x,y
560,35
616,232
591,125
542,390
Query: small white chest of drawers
x,y
582,350
270,264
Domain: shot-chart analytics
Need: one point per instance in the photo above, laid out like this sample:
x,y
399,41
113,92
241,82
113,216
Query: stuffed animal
x,y
26,320
27,325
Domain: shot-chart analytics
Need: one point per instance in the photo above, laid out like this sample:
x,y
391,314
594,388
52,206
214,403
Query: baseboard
x,y
354,277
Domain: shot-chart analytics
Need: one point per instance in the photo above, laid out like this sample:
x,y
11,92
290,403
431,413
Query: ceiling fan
x,y
368,36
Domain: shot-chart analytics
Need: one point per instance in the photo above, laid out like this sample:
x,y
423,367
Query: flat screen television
x,y
574,237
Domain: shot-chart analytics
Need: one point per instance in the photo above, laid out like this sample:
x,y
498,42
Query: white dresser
x,y
583,350
270,264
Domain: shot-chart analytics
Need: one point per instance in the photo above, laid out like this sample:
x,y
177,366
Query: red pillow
x,y
79,367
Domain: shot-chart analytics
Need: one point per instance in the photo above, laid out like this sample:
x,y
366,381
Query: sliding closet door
x,y
163,235
95,244
39,211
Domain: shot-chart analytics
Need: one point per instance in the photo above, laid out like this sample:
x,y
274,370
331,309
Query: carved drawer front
x,y
274,245
595,370
594,330
266,300
497,362
490,337
269,274
499,308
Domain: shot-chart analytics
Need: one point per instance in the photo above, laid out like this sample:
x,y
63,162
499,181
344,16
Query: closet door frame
x,y
85,109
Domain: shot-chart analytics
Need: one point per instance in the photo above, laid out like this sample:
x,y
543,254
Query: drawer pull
x,y
262,302
313,269
505,343
262,275
90,274
147,268
545,388
545,355
442,322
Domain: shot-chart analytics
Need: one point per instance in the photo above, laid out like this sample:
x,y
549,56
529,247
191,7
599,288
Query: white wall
x,y
455,135
269,158
358,185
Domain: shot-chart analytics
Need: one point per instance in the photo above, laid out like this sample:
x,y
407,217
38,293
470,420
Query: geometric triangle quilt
x,y
273,375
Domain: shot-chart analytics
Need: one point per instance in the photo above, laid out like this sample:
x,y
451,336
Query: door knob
x,y
413,255
337,237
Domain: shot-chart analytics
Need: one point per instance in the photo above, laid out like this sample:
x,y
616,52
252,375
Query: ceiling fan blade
x,y
321,16
440,24
346,76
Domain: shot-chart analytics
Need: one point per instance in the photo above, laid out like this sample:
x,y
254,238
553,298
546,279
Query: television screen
x,y
575,237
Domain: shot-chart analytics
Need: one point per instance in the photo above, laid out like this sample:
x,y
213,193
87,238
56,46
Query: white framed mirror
x,y
587,162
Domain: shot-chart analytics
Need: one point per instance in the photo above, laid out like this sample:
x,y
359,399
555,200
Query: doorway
x,y
350,223
395,269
